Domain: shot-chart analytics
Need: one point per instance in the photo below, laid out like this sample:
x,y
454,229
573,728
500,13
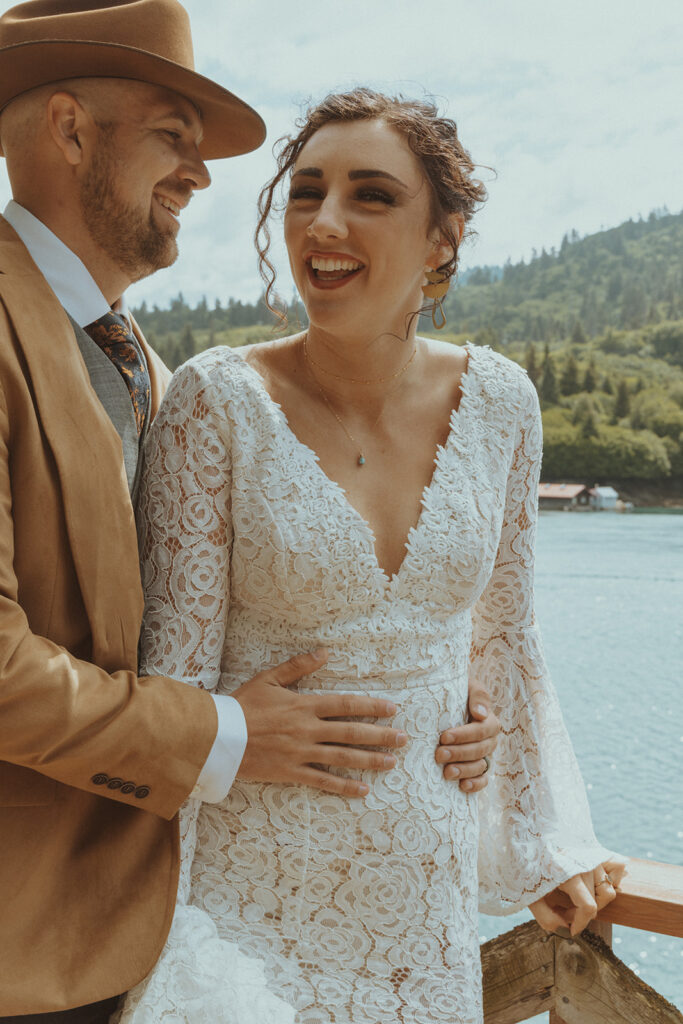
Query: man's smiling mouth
x,y
168,204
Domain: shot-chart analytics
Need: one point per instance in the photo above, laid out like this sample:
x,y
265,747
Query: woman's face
x,y
357,228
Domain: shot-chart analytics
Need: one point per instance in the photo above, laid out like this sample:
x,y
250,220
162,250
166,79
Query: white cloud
x,y
575,105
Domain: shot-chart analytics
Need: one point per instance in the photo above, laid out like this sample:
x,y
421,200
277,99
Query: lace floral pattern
x,y
354,912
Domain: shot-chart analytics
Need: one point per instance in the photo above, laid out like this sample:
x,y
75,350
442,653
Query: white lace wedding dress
x,y
300,906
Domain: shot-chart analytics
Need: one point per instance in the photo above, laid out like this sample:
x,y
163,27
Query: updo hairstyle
x,y
447,165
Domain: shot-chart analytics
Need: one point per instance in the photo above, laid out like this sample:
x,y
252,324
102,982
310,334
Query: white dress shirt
x,y
81,297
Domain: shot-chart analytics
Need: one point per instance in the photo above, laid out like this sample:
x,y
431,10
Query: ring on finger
x,y
604,881
488,764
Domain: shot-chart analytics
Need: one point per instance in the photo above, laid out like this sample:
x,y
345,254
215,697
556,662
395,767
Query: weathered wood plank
x,y
592,986
519,974
650,897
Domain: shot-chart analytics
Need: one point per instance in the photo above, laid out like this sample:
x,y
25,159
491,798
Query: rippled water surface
x,y
609,599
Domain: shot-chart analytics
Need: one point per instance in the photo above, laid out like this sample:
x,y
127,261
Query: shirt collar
x,y
68,277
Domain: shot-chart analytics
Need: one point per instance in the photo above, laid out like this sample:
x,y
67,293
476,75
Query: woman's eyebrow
x,y
316,172
355,175
309,172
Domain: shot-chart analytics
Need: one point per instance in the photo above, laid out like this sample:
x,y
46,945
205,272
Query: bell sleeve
x,y
535,823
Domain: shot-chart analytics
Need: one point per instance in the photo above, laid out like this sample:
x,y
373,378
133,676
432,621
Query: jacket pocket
x,y
22,787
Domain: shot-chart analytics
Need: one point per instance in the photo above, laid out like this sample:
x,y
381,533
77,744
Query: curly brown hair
x,y
447,165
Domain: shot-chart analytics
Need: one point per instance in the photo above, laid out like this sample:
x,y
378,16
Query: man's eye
x,y
173,135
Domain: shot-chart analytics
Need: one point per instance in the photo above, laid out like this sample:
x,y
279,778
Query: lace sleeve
x,y
536,829
185,533
185,544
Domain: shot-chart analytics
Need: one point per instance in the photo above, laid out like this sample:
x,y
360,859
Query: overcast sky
x,y
575,104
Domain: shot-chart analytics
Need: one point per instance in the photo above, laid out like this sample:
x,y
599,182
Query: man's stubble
x,y
127,234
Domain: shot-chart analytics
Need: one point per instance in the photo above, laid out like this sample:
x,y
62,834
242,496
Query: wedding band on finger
x,y
488,764
604,881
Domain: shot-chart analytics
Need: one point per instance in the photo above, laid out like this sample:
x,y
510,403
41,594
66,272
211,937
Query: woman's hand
x,y
462,750
588,892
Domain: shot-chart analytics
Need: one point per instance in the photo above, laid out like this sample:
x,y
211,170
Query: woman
x,y
293,499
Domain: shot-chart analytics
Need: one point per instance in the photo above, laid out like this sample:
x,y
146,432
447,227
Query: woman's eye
x,y
304,193
375,195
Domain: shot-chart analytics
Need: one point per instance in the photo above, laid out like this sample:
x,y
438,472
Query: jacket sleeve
x,y
535,822
138,740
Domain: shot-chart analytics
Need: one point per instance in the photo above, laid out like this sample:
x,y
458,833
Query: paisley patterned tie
x,y
115,337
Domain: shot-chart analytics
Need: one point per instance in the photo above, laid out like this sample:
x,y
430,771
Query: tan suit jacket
x,y
94,761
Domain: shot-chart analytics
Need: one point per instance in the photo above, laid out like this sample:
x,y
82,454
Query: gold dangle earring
x,y
436,289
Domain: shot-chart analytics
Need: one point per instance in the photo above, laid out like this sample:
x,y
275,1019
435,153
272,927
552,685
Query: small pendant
x,y
361,460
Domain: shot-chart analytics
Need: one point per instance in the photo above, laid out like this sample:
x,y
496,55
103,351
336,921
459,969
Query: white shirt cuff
x,y
225,756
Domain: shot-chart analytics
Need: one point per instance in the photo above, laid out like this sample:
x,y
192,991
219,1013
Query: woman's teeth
x,y
333,267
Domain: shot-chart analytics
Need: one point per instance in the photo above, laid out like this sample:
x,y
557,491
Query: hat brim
x,y
230,125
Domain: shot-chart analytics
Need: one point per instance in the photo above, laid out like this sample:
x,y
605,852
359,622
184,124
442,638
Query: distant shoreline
x,y
642,494
651,496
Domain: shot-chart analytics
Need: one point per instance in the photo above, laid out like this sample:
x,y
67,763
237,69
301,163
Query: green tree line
x,y
598,325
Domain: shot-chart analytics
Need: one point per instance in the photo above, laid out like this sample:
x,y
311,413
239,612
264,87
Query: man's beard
x,y
129,237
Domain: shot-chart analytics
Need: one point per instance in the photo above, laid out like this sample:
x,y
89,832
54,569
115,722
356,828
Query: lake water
x,y
609,600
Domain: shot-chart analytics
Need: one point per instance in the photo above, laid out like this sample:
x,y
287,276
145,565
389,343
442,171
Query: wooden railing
x,y
580,980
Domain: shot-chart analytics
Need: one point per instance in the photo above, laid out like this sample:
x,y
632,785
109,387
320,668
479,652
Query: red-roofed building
x,y
563,495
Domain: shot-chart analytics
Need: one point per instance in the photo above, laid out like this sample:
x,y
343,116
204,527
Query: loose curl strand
x,y
434,140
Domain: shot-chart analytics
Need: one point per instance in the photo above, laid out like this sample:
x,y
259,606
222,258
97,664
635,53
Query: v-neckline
x,y
454,421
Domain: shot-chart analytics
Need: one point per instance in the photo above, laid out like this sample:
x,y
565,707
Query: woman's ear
x,y
442,250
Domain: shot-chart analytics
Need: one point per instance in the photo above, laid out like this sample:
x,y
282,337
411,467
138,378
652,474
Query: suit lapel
x,y
88,455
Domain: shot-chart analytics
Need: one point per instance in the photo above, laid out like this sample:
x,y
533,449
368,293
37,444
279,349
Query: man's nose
x,y
194,171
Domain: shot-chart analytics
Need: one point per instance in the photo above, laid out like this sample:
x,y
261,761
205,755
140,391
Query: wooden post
x,y
577,981
580,980
592,986
603,929
519,975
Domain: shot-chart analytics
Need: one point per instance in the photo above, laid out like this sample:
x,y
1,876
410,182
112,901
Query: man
x,y
105,127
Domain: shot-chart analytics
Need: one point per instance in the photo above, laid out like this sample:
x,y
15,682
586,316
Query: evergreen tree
x,y
548,390
607,385
578,335
531,365
634,305
569,380
622,402
187,346
589,377
588,425
586,417
614,287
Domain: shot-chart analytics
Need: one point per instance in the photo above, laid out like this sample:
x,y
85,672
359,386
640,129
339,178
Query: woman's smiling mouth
x,y
332,269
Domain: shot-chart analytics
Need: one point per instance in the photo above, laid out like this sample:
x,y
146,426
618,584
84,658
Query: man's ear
x,y
68,123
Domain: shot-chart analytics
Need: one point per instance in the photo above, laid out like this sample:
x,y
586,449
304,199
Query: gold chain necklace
x,y
360,461
356,380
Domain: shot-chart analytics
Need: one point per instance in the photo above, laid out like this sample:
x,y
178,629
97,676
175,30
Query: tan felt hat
x,y
44,41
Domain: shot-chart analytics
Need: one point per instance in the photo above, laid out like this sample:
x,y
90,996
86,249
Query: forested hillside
x,y
597,323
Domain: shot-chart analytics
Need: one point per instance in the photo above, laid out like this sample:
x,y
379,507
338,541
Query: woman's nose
x,y
329,221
